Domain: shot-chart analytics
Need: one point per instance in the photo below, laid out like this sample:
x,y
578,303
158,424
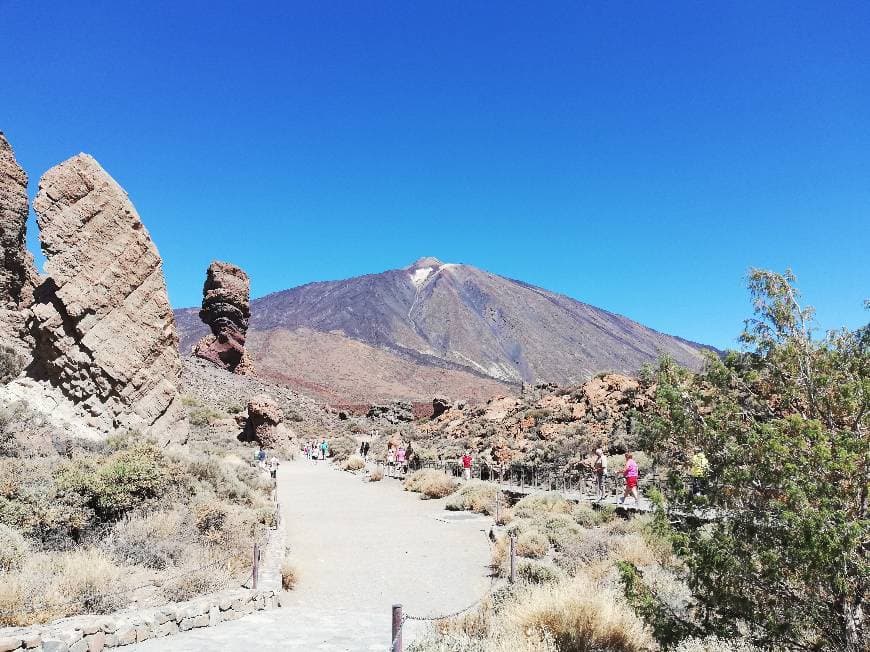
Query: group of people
x,y
699,467
270,465
314,451
397,458
630,472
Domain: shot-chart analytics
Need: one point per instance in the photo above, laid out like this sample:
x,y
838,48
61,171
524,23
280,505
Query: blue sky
x,y
636,156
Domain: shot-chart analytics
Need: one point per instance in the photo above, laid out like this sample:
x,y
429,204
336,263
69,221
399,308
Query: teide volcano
x,y
437,327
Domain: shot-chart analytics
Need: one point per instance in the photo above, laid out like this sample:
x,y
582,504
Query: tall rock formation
x,y
18,275
226,309
103,327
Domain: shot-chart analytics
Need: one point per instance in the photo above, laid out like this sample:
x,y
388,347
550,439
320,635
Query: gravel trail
x,y
359,547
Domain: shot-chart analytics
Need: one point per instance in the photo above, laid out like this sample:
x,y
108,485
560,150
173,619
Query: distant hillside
x,y
407,333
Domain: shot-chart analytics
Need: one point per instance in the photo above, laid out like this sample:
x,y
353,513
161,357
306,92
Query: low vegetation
x,y
431,483
476,496
99,526
353,463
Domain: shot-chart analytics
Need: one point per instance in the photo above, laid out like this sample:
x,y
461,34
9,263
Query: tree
x,y
777,545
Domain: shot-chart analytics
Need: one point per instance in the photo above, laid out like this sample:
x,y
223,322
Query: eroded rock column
x,y
226,308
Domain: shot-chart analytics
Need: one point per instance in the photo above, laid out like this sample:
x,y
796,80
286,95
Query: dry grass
x,y
475,496
714,644
353,463
532,544
542,503
376,475
289,576
581,617
49,586
431,483
13,549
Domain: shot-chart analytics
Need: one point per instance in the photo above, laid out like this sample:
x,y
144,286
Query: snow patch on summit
x,y
419,276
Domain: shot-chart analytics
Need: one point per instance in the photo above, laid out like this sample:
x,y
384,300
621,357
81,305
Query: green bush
x,y
120,483
537,573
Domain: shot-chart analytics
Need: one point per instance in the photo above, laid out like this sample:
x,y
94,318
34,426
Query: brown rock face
x,y
265,423
226,308
18,275
440,405
104,330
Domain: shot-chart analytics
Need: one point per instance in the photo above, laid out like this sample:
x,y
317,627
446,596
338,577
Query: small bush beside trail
x,y
475,496
353,463
432,483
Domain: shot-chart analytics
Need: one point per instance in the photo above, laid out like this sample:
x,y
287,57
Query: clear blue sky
x,y
636,156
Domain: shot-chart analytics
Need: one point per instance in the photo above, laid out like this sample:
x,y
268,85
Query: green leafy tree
x,y
777,544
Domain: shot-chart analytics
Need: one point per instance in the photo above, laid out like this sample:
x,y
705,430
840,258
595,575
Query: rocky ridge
x,y
545,424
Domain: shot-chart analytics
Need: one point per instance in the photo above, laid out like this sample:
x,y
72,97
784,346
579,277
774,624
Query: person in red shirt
x,y
466,464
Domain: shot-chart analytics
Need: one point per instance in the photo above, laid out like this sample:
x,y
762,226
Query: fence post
x,y
397,629
513,559
255,572
498,493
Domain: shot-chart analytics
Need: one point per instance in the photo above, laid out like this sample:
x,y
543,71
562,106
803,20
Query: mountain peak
x,y
426,261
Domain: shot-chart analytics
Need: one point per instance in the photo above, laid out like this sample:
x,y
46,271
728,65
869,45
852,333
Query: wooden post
x,y
255,572
397,629
513,559
498,493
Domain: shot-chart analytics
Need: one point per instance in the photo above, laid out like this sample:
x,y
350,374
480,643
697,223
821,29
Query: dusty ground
x,y
359,547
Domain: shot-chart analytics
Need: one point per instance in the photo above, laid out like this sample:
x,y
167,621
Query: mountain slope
x,y
455,318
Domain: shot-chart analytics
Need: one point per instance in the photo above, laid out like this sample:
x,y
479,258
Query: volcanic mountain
x,y
437,327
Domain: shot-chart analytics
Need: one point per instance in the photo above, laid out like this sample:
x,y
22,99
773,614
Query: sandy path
x,y
359,547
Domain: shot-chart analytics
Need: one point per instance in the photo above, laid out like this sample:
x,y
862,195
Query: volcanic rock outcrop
x,y
265,423
226,309
440,405
18,275
103,328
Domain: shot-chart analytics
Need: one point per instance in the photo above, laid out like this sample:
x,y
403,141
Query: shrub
x,y
714,644
592,546
537,573
13,549
192,580
122,482
11,363
585,516
543,503
203,416
151,540
342,447
581,616
289,576
376,475
210,518
93,580
475,496
431,483
532,544
353,463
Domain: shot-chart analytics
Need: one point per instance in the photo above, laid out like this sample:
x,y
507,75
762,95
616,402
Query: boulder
x,y
102,325
265,423
440,405
226,309
18,276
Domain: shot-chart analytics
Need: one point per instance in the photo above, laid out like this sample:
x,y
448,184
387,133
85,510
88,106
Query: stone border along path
x,y
358,547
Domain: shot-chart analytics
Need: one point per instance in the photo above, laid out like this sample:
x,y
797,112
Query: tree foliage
x,y
776,546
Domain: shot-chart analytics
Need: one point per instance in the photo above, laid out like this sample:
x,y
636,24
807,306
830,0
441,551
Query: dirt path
x,y
359,547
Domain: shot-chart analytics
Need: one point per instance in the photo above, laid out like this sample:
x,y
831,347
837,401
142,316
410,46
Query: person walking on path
x,y
324,450
391,460
699,469
466,464
400,459
600,473
630,473
365,453
273,467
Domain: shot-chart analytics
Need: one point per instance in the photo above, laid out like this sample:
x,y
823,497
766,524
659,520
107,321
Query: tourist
x,y
391,459
273,467
257,452
366,447
362,449
324,450
466,464
400,459
698,471
600,473
630,473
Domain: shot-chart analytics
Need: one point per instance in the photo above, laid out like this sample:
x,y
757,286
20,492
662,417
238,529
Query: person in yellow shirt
x,y
699,470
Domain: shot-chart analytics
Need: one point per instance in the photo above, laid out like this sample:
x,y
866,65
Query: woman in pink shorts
x,y
630,474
